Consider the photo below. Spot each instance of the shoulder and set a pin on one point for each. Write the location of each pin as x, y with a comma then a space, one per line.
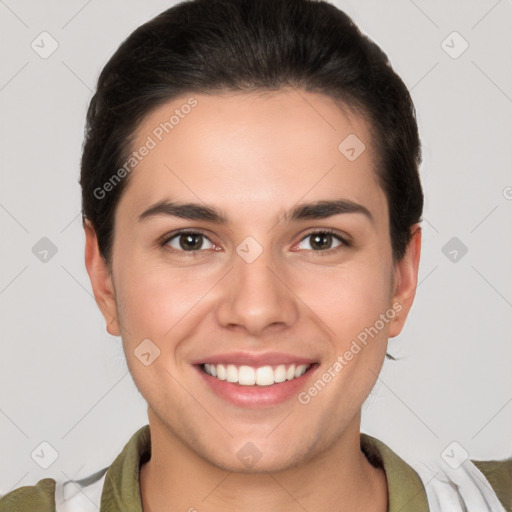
48, 495
499, 475
454, 485
31, 498
84, 494
472, 485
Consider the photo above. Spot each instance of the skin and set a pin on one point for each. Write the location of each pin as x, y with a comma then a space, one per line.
254, 157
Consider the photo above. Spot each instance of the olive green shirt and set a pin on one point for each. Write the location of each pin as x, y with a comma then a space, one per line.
121, 492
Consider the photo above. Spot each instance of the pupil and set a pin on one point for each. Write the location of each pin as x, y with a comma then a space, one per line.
323, 236
190, 241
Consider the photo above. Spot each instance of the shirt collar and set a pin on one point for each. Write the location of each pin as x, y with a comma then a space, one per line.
405, 488
121, 490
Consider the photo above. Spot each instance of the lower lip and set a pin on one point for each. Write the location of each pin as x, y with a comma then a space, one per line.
257, 396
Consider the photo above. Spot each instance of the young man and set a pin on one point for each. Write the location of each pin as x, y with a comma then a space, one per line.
251, 205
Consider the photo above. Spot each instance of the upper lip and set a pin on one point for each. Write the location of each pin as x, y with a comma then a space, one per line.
254, 359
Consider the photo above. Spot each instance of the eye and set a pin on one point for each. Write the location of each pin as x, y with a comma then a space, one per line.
186, 241
193, 242
322, 241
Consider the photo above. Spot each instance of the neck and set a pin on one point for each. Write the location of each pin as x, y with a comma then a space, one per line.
340, 478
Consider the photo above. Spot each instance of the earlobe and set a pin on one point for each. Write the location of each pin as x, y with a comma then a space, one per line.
406, 281
101, 280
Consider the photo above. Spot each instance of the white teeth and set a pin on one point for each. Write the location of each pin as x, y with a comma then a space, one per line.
265, 376
280, 373
249, 376
221, 371
231, 373
300, 370
246, 376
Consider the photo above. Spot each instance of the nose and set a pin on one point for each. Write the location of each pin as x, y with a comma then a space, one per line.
256, 297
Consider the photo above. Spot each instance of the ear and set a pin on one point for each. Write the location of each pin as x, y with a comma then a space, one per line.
101, 280
406, 281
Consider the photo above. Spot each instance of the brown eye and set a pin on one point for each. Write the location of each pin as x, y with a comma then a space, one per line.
322, 241
187, 241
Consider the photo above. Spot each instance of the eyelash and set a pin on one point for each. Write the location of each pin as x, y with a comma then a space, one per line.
163, 244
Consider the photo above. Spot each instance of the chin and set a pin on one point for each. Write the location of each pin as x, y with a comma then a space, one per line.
253, 457
262, 466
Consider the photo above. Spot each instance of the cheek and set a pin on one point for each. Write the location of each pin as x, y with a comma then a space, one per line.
347, 299
156, 303
153, 299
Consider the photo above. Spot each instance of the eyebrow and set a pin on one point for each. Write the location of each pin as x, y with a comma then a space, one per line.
197, 211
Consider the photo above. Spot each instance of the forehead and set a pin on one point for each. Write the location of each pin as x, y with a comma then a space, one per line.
253, 150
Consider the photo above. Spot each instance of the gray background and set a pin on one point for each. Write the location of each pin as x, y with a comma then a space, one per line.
63, 377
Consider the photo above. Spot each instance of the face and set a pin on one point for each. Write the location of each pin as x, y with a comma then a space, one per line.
247, 282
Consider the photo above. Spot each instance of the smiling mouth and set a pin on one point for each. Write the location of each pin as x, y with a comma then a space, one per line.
251, 376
